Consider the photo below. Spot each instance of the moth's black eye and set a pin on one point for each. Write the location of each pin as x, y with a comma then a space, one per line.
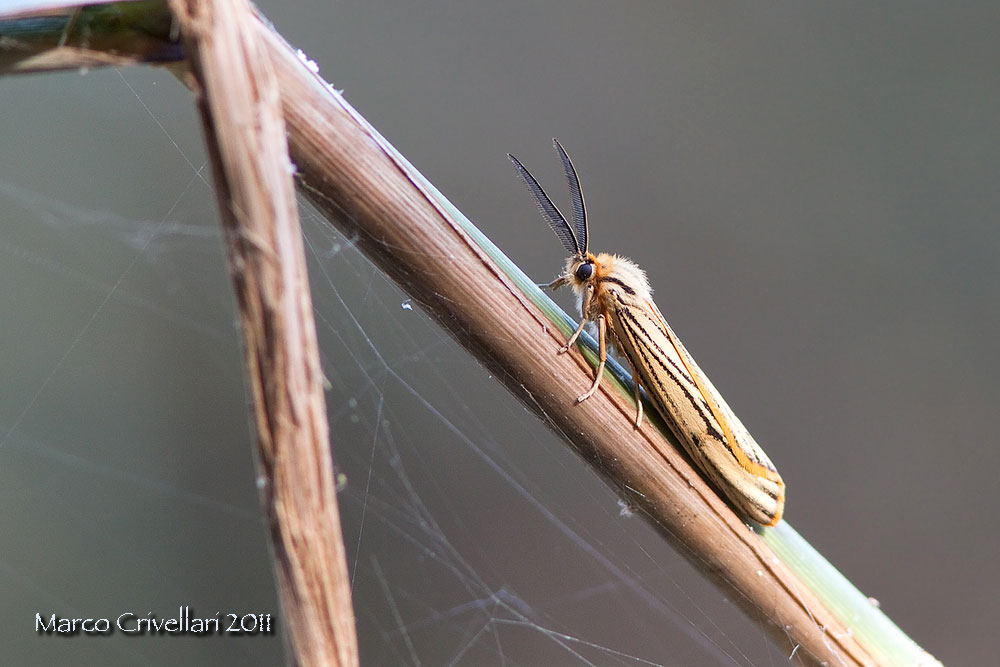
584, 271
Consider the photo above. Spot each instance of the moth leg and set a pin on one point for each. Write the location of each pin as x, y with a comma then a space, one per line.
638, 395
583, 323
557, 283
601, 330
572, 339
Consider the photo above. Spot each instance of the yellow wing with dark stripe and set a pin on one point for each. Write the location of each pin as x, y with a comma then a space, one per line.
712, 434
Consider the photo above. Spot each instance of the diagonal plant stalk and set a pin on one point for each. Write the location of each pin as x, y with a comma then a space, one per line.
407, 228
492, 308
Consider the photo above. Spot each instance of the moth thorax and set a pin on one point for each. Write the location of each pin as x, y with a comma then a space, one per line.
626, 274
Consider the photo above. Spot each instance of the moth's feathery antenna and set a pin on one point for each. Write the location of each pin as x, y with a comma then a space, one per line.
576, 195
549, 210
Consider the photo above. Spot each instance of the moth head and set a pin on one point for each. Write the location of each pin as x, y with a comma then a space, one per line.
580, 271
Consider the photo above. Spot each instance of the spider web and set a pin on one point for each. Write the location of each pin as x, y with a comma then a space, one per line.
474, 536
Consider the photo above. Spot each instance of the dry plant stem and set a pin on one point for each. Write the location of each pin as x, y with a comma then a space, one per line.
349, 170
239, 103
75, 37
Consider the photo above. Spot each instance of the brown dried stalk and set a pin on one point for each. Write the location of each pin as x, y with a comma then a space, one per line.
412, 234
239, 102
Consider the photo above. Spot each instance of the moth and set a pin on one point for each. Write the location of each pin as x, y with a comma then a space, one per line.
614, 294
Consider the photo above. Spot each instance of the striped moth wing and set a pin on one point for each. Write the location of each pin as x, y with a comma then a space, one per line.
713, 436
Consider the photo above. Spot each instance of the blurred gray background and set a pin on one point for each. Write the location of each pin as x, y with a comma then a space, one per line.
812, 191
